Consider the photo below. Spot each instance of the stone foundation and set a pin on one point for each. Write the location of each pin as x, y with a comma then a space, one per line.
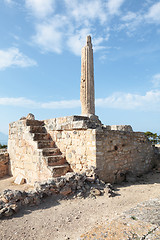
120, 152
75, 140
86, 144
113, 153
25, 157
4, 158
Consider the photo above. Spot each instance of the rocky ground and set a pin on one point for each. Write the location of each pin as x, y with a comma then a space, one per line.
139, 223
59, 217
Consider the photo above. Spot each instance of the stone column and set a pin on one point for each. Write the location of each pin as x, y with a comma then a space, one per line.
87, 80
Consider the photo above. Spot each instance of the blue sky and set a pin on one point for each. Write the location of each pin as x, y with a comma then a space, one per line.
40, 47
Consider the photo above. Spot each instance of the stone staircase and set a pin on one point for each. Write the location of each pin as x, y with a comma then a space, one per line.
54, 159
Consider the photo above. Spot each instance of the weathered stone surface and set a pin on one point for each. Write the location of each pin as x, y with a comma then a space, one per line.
33, 153
36, 149
19, 180
95, 192
126, 128
30, 116
4, 159
87, 79
141, 222
120, 152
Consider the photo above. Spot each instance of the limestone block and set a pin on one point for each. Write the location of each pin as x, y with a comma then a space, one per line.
59, 135
19, 180
30, 116
79, 166
127, 128
79, 125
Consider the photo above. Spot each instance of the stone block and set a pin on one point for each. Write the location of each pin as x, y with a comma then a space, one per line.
19, 180
66, 190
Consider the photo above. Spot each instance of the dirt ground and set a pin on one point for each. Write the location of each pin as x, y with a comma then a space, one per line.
59, 218
8, 183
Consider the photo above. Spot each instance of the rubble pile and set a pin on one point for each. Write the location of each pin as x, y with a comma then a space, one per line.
72, 184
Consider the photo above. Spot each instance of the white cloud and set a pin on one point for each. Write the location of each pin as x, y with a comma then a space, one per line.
153, 14
49, 35
80, 18
114, 6
78, 40
13, 57
129, 16
97, 43
130, 23
70, 29
28, 103
156, 80
18, 102
62, 104
40, 8
128, 101
85, 10
150, 101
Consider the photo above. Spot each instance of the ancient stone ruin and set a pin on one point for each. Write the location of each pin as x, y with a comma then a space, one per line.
42, 150
87, 80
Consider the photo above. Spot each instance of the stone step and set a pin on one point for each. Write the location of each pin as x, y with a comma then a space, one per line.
46, 144
37, 129
42, 136
58, 171
51, 151
56, 160
34, 123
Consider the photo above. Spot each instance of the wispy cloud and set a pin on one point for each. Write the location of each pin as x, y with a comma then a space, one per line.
56, 30
129, 16
49, 35
114, 6
65, 24
70, 27
77, 41
153, 14
130, 23
19, 102
86, 10
28, 103
148, 102
13, 57
40, 8
156, 80
61, 104
128, 101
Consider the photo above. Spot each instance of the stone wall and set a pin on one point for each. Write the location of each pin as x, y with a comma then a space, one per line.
79, 147
25, 157
4, 158
119, 153
114, 153
85, 143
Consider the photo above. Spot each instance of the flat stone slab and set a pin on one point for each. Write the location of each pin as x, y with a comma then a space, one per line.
141, 222
19, 180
